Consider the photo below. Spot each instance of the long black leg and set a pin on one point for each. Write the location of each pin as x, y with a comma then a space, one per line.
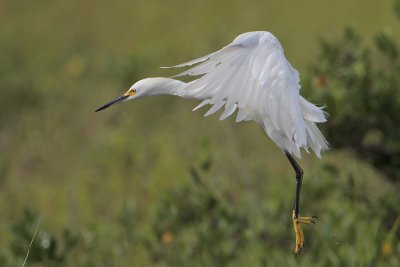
299, 179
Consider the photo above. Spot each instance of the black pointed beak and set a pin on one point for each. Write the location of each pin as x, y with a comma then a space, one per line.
115, 101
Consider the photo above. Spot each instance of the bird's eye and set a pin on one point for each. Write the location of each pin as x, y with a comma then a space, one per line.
133, 91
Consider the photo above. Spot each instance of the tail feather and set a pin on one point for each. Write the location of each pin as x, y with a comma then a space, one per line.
312, 112
312, 115
315, 140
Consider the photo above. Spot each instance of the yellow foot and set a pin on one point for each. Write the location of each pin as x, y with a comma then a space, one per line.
297, 230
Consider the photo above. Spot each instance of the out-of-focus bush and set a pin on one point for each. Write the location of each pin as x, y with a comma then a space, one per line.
361, 87
195, 225
198, 225
39, 246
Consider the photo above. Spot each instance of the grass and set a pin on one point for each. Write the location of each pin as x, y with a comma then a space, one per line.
111, 179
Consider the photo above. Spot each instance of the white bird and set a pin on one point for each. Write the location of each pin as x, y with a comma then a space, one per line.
253, 76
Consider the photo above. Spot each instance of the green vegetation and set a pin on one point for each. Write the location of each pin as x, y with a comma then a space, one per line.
152, 183
362, 90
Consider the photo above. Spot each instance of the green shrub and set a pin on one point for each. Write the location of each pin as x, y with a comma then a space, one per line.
46, 248
361, 88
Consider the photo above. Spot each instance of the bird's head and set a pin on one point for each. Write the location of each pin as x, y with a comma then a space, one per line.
148, 87
139, 89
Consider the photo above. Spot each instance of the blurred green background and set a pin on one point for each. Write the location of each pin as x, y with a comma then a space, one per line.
151, 183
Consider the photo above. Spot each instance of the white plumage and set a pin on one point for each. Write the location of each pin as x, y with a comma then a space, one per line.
253, 75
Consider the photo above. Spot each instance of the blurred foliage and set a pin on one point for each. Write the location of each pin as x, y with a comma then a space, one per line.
198, 225
360, 87
46, 248
113, 188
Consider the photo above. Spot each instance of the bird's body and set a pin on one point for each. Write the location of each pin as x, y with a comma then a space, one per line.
253, 76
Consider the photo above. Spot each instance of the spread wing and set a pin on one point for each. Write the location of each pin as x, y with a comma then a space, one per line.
253, 75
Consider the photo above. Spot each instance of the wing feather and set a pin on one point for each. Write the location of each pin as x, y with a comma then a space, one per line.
253, 75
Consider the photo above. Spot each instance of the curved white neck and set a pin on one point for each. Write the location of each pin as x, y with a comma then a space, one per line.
167, 86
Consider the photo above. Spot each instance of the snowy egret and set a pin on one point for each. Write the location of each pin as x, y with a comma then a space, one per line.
253, 76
